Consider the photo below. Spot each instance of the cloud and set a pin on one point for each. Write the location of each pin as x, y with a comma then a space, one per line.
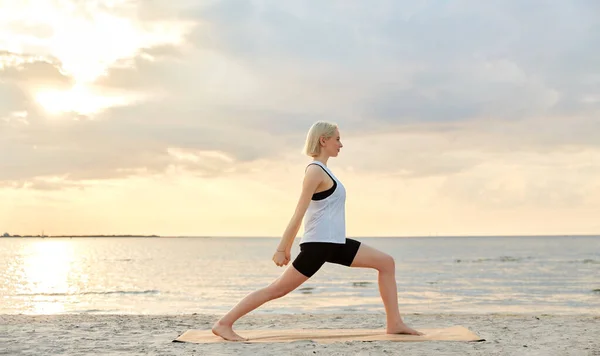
12, 99
22, 74
489, 58
444, 85
29, 71
510, 182
38, 73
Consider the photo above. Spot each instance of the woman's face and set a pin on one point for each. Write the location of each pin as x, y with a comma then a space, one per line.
333, 144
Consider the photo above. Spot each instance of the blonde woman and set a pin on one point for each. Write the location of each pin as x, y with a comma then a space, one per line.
322, 206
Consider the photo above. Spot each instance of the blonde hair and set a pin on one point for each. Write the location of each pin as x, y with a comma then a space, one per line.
319, 129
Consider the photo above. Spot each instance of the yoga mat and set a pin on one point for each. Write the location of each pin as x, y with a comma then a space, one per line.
454, 333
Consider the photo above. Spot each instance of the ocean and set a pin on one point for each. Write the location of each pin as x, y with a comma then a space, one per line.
548, 275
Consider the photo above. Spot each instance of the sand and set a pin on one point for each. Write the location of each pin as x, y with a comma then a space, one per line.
80, 334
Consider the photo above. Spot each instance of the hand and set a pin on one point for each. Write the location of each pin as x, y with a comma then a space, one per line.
282, 258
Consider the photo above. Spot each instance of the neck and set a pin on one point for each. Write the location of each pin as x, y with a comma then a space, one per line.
321, 158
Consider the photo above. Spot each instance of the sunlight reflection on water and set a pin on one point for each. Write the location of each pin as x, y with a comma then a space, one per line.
187, 275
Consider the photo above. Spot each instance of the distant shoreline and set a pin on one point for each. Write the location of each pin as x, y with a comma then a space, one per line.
63, 236
299, 236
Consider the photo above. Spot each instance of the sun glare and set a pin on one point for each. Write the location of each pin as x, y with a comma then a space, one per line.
87, 39
77, 99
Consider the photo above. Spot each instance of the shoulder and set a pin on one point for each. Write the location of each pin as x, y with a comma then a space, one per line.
314, 171
313, 167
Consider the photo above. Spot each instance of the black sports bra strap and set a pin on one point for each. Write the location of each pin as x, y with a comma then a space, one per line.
316, 164
324, 194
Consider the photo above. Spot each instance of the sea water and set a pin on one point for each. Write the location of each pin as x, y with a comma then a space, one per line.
518, 274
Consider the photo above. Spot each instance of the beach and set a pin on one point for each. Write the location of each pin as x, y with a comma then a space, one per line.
87, 296
85, 334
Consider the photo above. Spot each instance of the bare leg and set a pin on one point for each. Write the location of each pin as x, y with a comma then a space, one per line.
372, 258
289, 280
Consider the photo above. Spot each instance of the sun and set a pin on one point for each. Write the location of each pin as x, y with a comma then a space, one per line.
87, 39
80, 99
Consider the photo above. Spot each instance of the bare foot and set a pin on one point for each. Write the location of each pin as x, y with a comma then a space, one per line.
402, 328
226, 332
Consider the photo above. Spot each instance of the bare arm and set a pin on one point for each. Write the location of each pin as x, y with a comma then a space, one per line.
312, 179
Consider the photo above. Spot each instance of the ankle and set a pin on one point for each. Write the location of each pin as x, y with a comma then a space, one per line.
224, 323
394, 322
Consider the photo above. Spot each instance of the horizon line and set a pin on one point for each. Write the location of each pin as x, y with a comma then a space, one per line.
299, 236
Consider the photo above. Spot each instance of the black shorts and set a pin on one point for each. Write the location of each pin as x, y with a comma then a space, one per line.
314, 254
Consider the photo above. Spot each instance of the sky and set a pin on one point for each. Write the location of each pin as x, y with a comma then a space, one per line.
188, 118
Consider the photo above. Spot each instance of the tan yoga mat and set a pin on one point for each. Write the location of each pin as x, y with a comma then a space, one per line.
454, 333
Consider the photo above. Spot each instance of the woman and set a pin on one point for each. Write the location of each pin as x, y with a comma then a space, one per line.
321, 204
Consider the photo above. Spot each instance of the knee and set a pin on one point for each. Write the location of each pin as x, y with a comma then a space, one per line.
274, 291
387, 264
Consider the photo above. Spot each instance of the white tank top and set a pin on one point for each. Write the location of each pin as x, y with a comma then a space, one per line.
325, 219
